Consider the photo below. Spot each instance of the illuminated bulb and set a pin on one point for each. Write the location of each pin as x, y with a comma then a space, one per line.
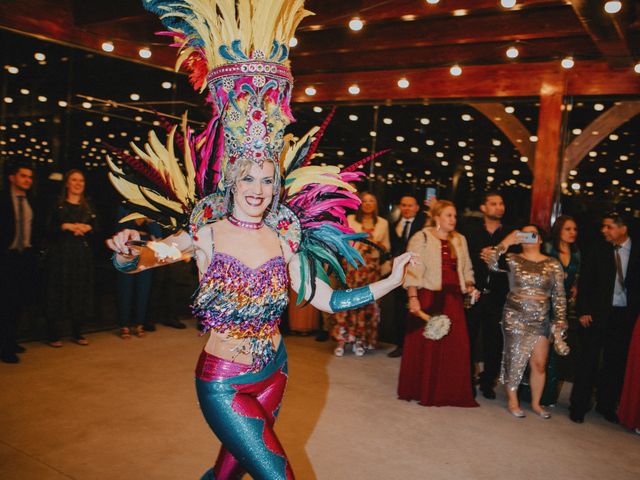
567, 62
425, 121
86, 105
135, 97
615, 182
387, 121
444, 163
593, 154
399, 162
42, 98
403, 83
8, 100
310, 91
293, 42
533, 138
575, 186
496, 142
105, 119
589, 184
62, 103
573, 172
512, 52
353, 117
466, 117
466, 157
629, 171
490, 179
624, 158
414, 150
516, 172
356, 24
340, 153
354, 89
144, 53
576, 131
469, 174
400, 138
602, 170
107, 46
439, 154
524, 159
462, 143
467, 167
430, 142
509, 109
493, 159
167, 85
491, 170
456, 71
636, 68
11, 69
433, 2
613, 137
24, 91
508, 3
613, 6
372, 133
317, 109
39, 56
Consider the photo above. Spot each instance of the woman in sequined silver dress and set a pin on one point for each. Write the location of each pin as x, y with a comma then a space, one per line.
535, 311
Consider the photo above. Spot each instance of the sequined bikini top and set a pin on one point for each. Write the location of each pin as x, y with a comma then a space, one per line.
243, 303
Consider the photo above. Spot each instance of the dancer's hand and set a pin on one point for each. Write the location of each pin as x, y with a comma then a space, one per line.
414, 305
400, 265
118, 243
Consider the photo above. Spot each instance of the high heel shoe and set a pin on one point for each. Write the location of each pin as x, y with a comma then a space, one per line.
543, 413
516, 413
339, 350
358, 349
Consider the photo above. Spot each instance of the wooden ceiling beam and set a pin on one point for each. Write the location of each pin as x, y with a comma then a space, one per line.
557, 22
488, 81
335, 13
608, 31
425, 57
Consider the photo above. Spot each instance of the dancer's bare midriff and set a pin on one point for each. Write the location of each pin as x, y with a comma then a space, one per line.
223, 346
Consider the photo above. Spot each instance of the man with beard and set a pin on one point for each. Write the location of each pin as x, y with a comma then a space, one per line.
482, 234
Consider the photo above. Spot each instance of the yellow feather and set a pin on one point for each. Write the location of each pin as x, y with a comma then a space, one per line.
130, 191
131, 216
176, 206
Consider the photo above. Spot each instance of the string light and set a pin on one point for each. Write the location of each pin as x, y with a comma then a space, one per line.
567, 62
310, 91
293, 42
508, 3
356, 24
512, 52
354, 89
403, 83
41, 57
108, 46
613, 6
456, 71
144, 53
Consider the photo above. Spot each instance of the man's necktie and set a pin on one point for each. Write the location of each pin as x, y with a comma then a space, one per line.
20, 242
619, 272
405, 230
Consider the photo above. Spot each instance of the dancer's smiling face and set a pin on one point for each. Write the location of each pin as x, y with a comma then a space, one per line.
253, 191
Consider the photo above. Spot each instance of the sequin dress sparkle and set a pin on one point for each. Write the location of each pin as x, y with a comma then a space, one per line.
536, 299
244, 303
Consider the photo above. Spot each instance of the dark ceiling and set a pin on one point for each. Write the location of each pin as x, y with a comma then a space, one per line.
437, 141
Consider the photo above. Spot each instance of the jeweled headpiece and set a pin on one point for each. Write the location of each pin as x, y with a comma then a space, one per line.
239, 49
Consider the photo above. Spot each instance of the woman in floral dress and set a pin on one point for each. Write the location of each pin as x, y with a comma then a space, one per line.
360, 326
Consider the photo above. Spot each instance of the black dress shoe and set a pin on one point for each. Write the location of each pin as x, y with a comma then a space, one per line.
322, 336
609, 415
175, 324
18, 349
395, 353
488, 393
9, 358
149, 327
576, 417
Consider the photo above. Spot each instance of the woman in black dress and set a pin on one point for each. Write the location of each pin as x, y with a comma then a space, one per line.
70, 262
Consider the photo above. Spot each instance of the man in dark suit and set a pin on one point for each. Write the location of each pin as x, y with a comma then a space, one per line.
17, 258
484, 317
411, 220
607, 305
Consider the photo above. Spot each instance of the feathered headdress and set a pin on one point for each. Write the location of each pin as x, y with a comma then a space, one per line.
239, 49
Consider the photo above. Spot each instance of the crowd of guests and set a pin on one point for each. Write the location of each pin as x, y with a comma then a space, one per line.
534, 314
57, 243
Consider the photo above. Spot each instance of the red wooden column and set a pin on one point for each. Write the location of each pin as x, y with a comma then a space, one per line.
546, 169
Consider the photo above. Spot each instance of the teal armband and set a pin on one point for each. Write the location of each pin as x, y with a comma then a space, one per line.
342, 300
125, 267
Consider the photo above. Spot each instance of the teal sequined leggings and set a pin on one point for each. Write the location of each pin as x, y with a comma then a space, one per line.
241, 408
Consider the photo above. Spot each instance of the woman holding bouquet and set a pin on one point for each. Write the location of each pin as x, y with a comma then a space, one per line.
436, 372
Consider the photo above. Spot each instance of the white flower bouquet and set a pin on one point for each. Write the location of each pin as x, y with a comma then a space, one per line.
437, 326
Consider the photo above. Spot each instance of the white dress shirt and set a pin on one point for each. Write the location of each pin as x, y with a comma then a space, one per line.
619, 293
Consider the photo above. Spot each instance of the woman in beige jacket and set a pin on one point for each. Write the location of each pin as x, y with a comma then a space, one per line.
436, 372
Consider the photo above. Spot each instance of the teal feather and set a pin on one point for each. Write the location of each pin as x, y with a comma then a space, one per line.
224, 52
275, 48
236, 46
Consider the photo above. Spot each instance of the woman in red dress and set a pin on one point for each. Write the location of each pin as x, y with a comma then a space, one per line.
436, 372
629, 410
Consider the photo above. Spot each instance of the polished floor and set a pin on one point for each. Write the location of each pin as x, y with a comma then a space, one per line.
123, 410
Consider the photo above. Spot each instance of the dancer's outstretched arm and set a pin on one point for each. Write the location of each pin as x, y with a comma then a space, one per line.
329, 300
129, 259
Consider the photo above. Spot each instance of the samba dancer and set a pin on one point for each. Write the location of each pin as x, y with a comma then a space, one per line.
248, 238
